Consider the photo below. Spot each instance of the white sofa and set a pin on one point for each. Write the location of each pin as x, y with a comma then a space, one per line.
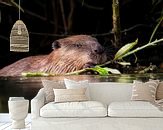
121, 112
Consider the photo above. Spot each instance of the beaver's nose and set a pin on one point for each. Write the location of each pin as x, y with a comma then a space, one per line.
99, 50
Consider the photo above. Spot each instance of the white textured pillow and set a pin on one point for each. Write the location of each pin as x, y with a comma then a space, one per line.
49, 85
144, 91
70, 95
71, 84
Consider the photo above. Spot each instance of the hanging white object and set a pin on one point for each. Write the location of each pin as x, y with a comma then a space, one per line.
19, 36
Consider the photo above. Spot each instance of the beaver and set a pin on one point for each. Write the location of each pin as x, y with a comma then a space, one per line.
69, 54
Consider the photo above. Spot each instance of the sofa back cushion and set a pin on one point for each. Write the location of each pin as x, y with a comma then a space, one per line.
72, 84
49, 85
159, 92
107, 92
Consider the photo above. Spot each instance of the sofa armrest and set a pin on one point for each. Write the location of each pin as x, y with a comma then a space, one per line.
36, 103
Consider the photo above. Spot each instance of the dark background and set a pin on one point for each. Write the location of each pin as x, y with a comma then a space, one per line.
44, 21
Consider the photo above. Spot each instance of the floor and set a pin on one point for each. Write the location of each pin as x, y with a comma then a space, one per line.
7, 126
5, 122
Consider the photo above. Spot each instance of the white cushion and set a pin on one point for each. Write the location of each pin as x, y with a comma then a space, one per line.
70, 95
71, 84
144, 91
49, 85
133, 109
74, 109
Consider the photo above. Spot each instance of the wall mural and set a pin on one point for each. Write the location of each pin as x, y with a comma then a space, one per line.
104, 41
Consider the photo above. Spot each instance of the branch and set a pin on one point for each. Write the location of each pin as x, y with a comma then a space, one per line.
94, 35
142, 47
38, 74
49, 34
155, 29
77, 72
151, 67
70, 15
83, 3
38, 16
116, 23
132, 52
5, 38
63, 16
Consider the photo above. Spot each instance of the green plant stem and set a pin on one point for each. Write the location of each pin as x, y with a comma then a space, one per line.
154, 31
77, 72
132, 52
142, 47
106, 63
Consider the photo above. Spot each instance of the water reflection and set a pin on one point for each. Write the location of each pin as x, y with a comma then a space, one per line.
29, 86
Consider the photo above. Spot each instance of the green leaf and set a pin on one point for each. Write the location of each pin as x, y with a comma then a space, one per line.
125, 49
104, 71
100, 70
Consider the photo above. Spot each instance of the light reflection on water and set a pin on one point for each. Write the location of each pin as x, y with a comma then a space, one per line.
29, 86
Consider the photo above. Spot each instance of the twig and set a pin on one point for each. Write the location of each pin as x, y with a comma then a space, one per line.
77, 72
133, 27
38, 16
5, 38
13, 3
83, 3
151, 67
55, 15
106, 63
94, 35
123, 31
49, 34
142, 47
154, 31
132, 52
32, 74
70, 15
63, 16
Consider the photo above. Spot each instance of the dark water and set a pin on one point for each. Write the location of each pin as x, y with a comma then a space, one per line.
29, 86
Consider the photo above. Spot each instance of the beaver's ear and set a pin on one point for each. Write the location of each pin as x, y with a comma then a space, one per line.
56, 45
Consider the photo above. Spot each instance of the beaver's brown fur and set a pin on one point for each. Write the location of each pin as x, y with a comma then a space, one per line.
69, 54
